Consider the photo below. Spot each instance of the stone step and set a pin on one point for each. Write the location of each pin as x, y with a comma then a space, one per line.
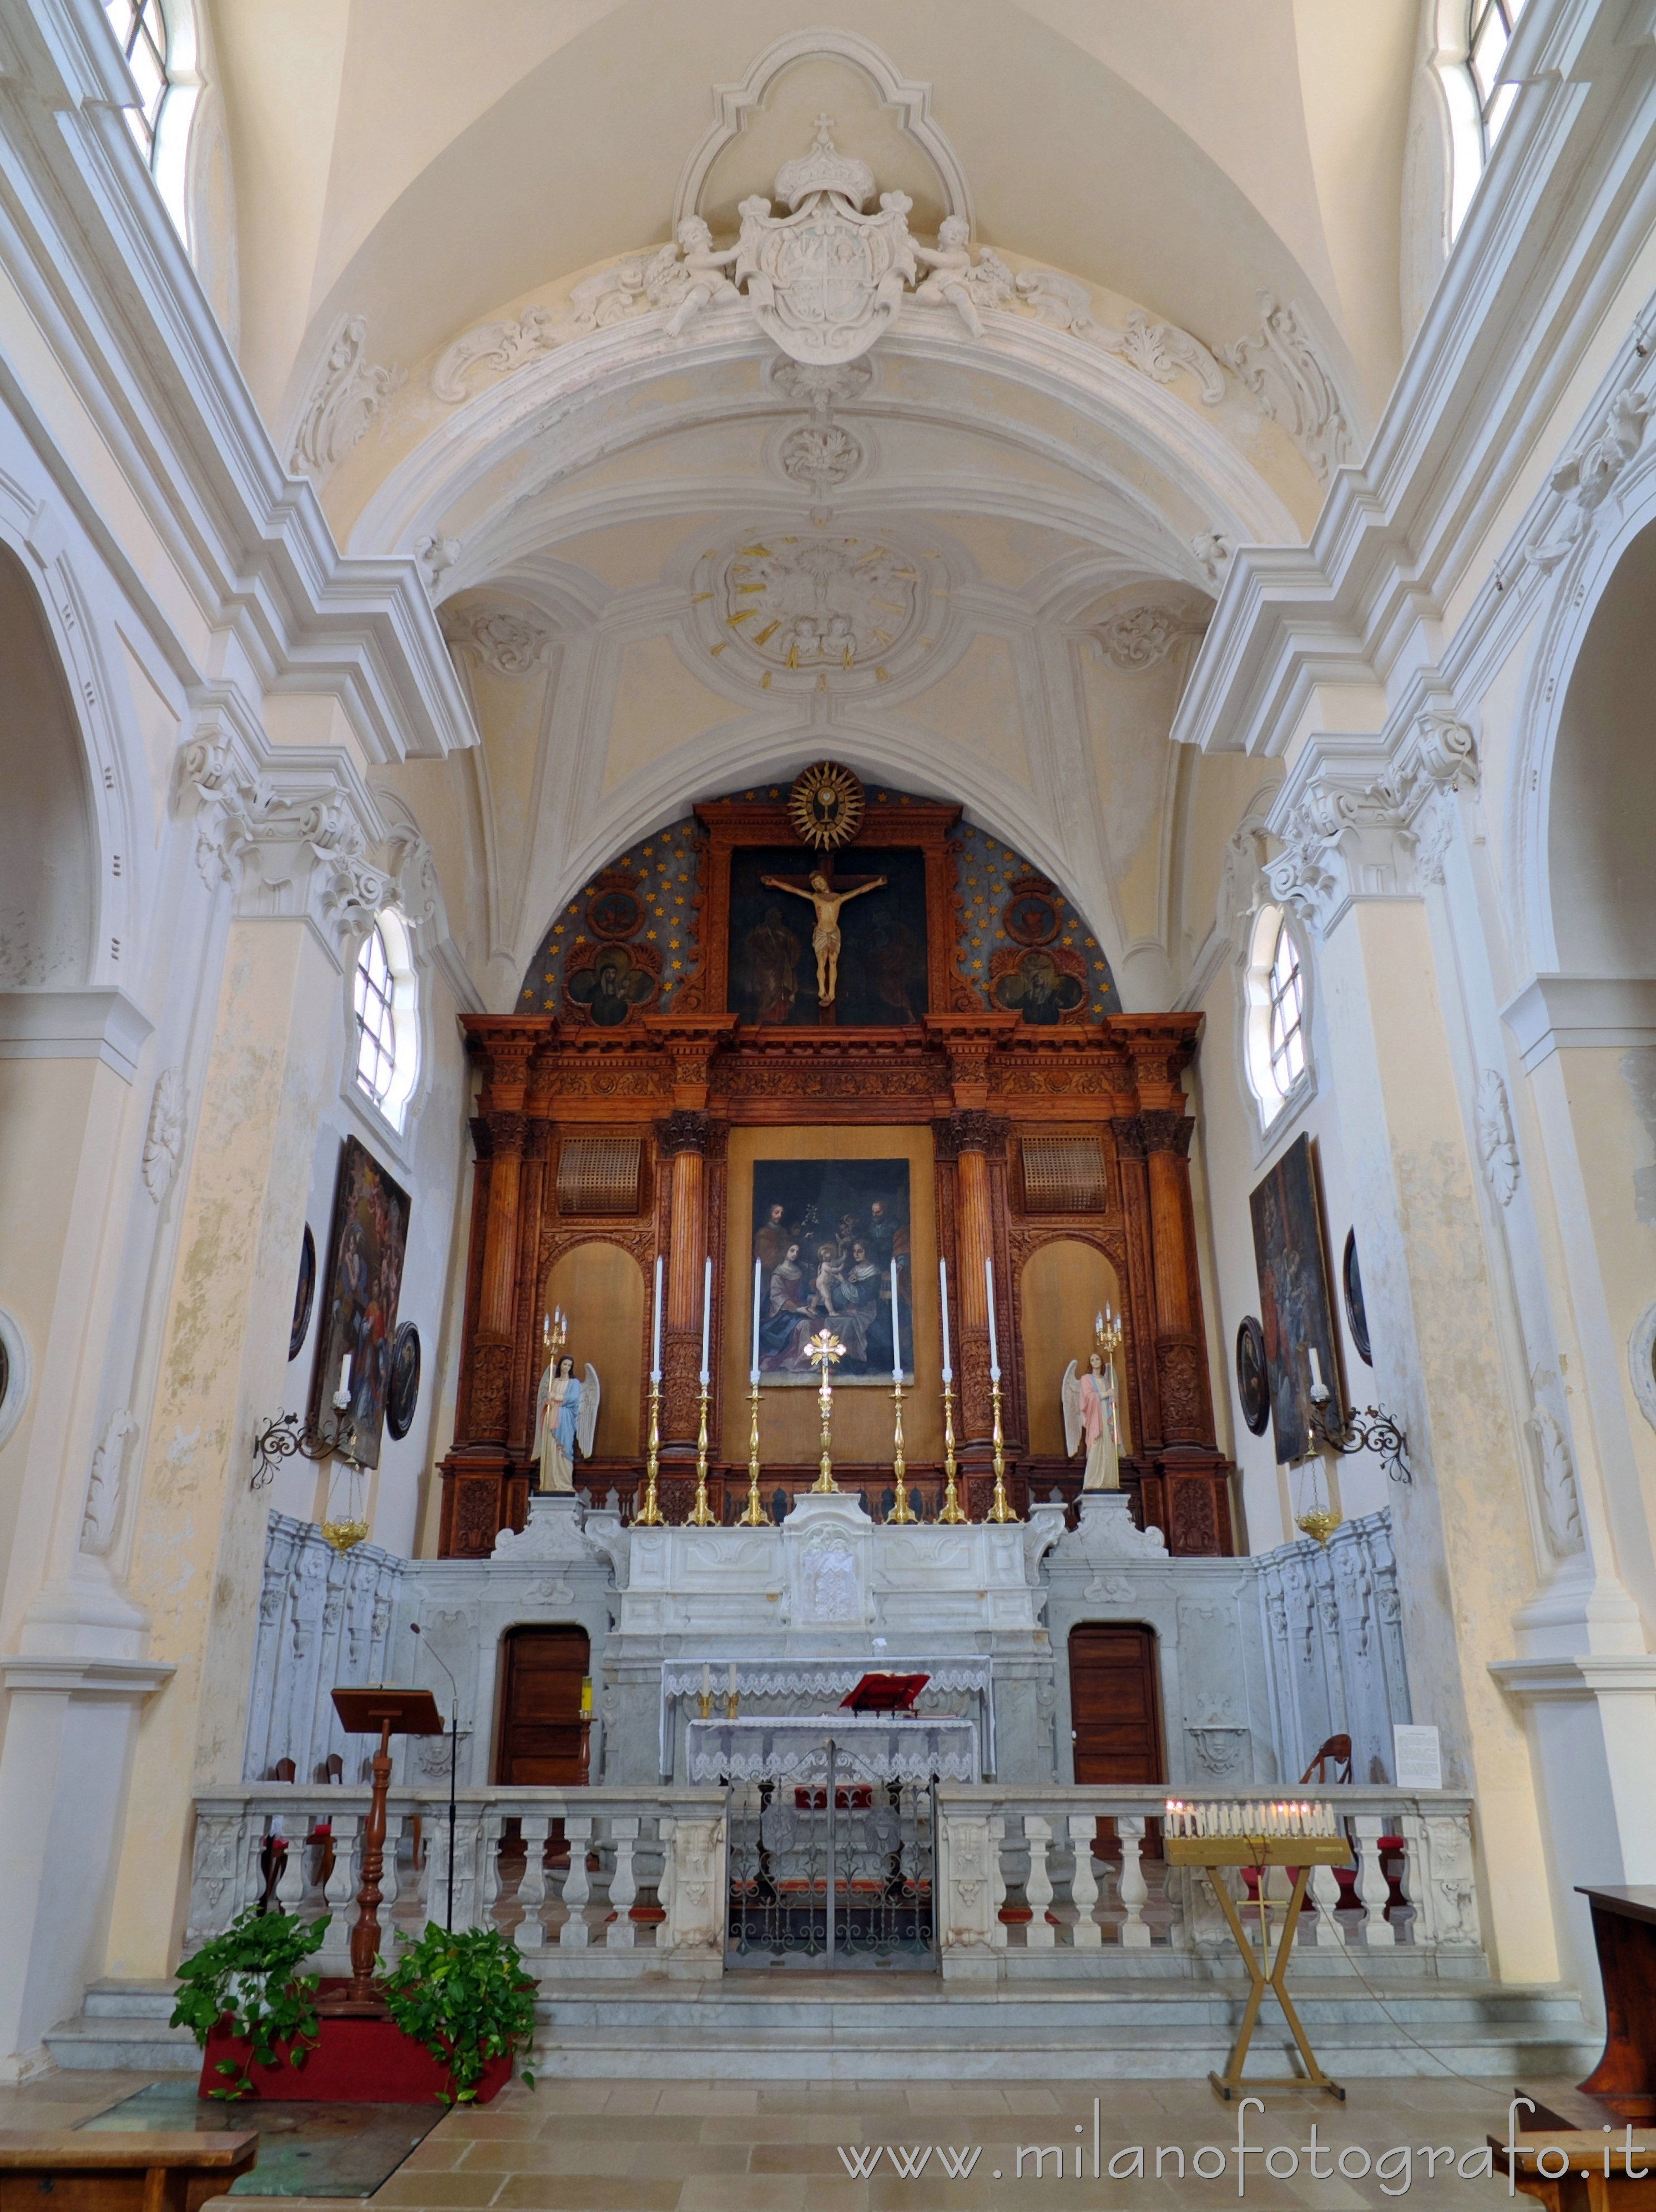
854, 2027
121, 2000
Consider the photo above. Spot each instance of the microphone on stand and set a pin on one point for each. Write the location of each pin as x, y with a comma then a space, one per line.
414, 1629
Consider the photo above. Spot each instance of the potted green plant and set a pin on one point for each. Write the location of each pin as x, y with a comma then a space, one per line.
245, 1999
465, 1998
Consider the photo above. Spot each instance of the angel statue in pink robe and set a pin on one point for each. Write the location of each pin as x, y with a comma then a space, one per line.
1089, 1416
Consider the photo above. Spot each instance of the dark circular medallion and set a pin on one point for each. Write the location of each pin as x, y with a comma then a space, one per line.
304, 1296
403, 1391
1252, 1385
1031, 919
1351, 1277
615, 913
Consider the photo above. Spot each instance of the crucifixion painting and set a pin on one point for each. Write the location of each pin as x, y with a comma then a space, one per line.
825, 937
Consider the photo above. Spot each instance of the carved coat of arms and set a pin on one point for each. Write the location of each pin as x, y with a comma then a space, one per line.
825, 280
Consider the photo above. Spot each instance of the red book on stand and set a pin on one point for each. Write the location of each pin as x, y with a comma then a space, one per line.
884, 1694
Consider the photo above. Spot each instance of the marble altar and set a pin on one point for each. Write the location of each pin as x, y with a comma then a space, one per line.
1259, 1657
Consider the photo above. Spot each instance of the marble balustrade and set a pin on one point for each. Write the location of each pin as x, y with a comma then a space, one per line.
1062, 1883
1032, 1885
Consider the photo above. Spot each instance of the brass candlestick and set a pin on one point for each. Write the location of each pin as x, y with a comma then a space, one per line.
999, 1510
754, 1516
701, 1513
824, 1349
952, 1510
899, 1511
652, 1516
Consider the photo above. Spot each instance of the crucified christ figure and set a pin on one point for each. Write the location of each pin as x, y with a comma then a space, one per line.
824, 938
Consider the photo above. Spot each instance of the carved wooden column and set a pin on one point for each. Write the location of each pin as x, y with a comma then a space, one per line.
1181, 1364
480, 1478
690, 1143
682, 1143
980, 1145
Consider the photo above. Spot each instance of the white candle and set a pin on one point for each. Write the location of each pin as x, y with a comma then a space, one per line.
897, 1335
1316, 1368
707, 1680
732, 1679
1098, 1323
344, 1376
655, 1338
943, 1303
758, 1277
994, 1347
706, 1317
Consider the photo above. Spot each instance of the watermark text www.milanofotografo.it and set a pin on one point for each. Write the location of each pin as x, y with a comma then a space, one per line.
1398, 2169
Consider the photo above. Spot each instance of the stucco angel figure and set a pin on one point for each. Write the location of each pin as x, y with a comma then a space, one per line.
1089, 1415
955, 282
703, 270
566, 1415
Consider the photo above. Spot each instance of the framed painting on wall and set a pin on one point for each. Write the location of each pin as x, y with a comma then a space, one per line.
1296, 1312
825, 1233
362, 1286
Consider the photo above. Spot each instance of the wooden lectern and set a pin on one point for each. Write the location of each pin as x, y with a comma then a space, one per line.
389, 1709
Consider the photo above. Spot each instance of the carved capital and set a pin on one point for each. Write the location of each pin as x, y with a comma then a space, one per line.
687, 1132
974, 1131
1163, 1130
508, 1133
1129, 1133
945, 1148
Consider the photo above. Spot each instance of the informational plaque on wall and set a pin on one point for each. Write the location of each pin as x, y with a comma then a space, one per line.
1419, 1757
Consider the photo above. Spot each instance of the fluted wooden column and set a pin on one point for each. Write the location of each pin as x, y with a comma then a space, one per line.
682, 1141
977, 1138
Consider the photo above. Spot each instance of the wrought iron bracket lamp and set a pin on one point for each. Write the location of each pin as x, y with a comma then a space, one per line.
283, 1437
1373, 1429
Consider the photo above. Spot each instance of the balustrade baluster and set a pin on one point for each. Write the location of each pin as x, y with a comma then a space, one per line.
391, 1881
575, 1935
997, 1836
339, 1894
1134, 1889
1325, 1891
1039, 1934
1378, 1931
493, 1827
621, 1934
532, 1888
1087, 1935
290, 1880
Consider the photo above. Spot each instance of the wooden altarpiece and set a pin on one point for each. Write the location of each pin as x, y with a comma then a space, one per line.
983, 1081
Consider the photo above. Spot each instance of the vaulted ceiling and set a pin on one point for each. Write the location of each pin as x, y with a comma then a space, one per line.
1043, 504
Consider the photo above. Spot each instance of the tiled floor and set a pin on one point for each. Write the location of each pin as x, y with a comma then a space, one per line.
689, 2147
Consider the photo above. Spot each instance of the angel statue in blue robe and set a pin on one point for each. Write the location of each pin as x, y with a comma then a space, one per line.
566, 1415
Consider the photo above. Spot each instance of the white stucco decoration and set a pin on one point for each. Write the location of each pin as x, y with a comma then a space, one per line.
1288, 376
106, 1485
347, 393
20, 1373
1497, 1144
1137, 639
1158, 350
1641, 1365
164, 1139
507, 642
1561, 1502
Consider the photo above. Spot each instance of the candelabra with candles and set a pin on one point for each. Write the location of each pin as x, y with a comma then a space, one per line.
899, 1512
650, 1515
824, 1349
1106, 1333
754, 1514
952, 1510
701, 1516
1000, 1504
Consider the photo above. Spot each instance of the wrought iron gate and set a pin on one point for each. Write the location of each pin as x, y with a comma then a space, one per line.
832, 1873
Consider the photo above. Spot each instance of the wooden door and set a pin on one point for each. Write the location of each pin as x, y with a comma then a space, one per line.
540, 1706
1114, 1703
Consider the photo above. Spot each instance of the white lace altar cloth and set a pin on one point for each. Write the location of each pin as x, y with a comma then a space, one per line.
827, 1680
866, 1747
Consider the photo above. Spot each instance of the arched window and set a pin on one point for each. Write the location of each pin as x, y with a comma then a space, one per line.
387, 1029
140, 26
1489, 31
1274, 1049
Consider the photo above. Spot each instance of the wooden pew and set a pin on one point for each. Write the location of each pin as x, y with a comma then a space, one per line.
82, 2171
1571, 2178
